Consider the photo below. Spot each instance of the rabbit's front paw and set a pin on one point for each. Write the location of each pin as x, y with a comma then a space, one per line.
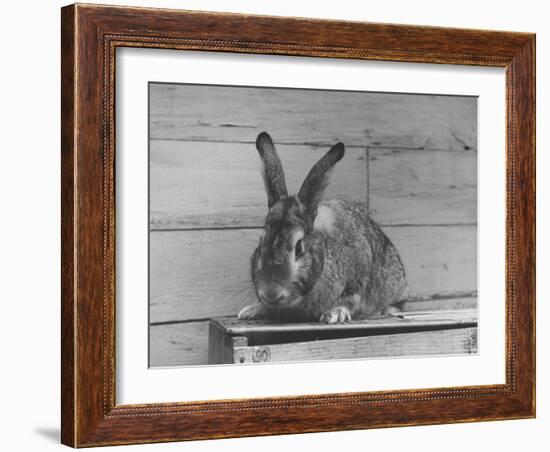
339, 314
251, 312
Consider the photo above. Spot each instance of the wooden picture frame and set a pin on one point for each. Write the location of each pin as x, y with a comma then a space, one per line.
90, 37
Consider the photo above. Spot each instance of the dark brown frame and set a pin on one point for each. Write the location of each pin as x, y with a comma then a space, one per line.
90, 35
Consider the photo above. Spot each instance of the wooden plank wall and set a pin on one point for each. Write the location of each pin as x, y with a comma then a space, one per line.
410, 158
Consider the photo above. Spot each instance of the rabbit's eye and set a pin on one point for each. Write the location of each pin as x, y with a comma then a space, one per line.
299, 249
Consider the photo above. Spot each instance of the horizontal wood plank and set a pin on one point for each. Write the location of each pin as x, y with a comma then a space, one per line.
440, 303
230, 114
181, 344
423, 187
201, 274
447, 342
437, 260
406, 320
202, 185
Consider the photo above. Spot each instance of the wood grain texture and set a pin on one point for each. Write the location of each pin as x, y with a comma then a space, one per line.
221, 345
460, 302
409, 321
198, 274
187, 343
189, 186
323, 117
205, 185
521, 222
178, 344
94, 418
448, 342
423, 187
68, 316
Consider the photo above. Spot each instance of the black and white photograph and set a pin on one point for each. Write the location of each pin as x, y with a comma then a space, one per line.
294, 224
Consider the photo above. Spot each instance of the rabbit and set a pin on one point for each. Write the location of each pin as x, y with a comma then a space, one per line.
320, 261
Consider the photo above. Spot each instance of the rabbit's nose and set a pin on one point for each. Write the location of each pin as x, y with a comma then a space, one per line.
272, 296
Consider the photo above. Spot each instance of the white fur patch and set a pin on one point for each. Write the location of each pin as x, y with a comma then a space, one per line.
297, 235
324, 219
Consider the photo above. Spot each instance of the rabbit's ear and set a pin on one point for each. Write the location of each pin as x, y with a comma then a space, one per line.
272, 171
316, 182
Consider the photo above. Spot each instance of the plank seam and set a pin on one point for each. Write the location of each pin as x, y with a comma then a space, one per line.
261, 228
376, 147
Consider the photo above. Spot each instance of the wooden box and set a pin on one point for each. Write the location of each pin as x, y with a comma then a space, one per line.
419, 333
